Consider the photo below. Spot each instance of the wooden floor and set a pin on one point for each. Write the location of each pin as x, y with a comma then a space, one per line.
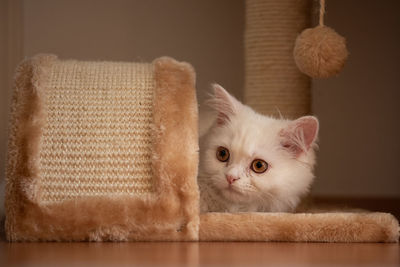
199, 254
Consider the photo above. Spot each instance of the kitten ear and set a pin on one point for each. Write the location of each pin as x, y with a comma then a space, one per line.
225, 104
300, 135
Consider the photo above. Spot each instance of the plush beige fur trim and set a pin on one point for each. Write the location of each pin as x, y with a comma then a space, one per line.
300, 227
176, 150
171, 213
27, 118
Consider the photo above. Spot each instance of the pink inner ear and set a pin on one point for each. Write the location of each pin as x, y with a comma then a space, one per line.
225, 104
300, 135
309, 125
222, 118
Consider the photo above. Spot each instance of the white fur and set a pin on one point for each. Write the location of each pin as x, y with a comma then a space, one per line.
248, 136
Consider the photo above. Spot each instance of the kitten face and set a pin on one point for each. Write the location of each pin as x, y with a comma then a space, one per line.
251, 139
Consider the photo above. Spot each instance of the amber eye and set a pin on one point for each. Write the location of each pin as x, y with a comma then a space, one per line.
222, 154
259, 166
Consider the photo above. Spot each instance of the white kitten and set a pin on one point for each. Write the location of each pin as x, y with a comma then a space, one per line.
251, 162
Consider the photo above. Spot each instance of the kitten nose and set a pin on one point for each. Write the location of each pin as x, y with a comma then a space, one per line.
231, 179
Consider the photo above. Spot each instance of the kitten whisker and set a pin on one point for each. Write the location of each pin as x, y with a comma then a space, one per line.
280, 114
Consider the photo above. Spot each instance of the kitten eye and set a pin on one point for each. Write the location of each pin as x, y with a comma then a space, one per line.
259, 166
222, 154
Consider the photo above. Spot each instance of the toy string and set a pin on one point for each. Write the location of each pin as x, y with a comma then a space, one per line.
321, 12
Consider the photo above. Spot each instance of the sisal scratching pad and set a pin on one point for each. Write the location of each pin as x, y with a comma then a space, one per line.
93, 144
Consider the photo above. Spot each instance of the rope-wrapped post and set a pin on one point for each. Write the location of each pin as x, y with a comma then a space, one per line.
273, 83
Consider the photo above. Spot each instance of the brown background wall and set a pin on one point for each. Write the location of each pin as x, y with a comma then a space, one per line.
360, 109
359, 140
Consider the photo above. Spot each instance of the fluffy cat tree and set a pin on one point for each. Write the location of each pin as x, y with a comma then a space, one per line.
108, 151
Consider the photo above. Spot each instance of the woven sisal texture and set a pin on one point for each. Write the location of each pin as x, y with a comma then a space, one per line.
272, 80
97, 136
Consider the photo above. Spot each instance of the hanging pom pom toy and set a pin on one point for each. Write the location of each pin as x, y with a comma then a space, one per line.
320, 52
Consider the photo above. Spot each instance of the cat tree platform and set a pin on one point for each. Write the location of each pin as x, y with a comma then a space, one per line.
108, 151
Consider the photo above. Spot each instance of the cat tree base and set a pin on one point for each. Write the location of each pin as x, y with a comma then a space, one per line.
299, 227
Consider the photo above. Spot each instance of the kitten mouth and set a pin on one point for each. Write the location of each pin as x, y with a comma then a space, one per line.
232, 189
233, 194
